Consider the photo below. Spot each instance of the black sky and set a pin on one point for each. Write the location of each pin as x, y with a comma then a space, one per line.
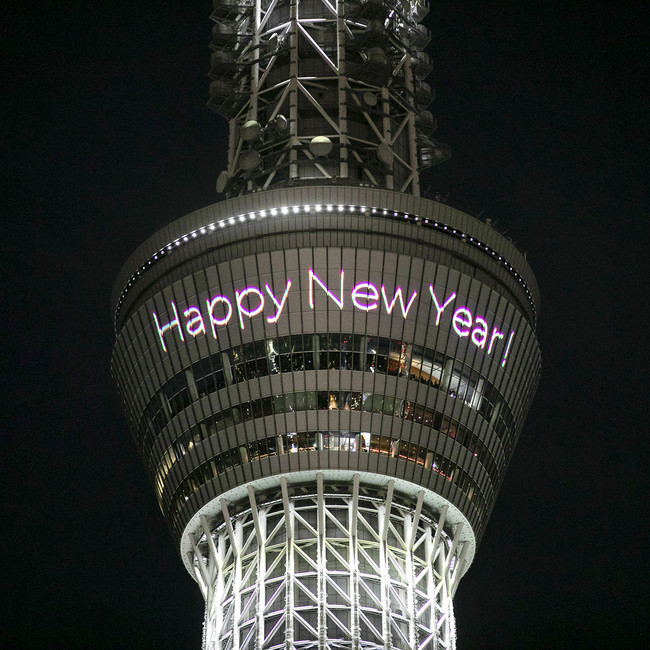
107, 138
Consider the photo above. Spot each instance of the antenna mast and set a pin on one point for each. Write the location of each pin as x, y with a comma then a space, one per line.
321, 92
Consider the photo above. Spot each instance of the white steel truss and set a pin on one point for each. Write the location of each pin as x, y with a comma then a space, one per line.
350, 71
330, 568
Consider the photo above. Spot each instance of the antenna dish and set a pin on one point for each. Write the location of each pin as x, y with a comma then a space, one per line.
281, 123
222, 181
320, 146
250, 130
249, 159
385, 154
370, 98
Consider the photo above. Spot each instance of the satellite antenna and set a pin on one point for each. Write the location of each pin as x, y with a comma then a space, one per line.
250, 130
249, 159
222, 181
320, 146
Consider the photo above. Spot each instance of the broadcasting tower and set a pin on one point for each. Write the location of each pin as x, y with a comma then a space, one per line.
326, 374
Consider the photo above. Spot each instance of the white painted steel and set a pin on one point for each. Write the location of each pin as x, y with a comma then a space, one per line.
323, 568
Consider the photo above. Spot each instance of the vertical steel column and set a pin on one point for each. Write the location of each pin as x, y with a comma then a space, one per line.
387, 133
290, 560
259, 522
293, 91
322, 565
353, 559
342, 86
412, 132
384, 567
410, 536
255, 67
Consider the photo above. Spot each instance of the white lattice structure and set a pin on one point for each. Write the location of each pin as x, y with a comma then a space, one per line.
348, 73
330, 568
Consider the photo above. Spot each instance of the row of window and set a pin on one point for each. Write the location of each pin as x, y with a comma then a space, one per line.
327, 440
323, 351
312, 400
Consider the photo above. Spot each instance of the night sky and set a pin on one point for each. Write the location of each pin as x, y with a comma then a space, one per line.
106, 138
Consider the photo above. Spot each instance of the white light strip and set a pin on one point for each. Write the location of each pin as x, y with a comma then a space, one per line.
307, 211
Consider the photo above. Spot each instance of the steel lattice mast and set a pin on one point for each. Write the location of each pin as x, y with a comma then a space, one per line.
320, 91
325, 374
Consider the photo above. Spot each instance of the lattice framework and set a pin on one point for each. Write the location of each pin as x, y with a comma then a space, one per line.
349, 71
330, 569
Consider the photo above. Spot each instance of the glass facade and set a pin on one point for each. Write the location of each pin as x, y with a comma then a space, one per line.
338, 441
289, 354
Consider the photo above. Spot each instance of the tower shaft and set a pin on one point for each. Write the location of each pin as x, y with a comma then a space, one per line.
343, 567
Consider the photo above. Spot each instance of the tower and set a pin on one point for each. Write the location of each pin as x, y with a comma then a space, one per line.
325, 374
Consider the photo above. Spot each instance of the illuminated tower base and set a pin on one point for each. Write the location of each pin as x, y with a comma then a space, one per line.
330, 563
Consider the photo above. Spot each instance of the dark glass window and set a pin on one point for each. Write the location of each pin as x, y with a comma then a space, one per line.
336, 351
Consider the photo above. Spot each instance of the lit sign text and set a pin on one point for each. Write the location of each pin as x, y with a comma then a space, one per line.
247, 303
